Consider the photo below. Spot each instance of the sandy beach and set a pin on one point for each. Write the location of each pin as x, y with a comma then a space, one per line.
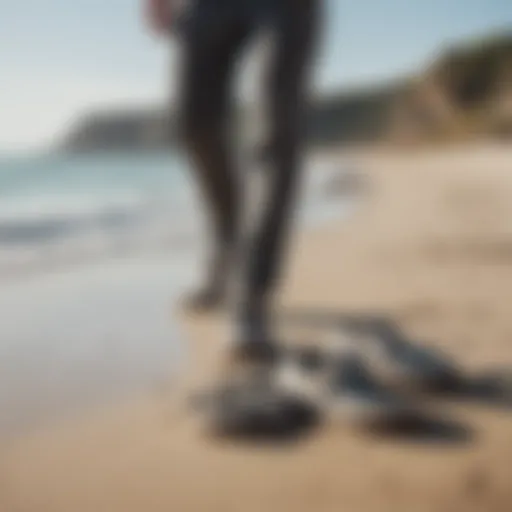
431, 248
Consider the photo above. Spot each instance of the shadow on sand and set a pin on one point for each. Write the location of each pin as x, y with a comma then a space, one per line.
490, 388
252, 412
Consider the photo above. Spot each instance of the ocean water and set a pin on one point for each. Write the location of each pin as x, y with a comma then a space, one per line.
62, 210
95, 252
59, 210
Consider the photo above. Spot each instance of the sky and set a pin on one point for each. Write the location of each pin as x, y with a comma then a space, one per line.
60, 59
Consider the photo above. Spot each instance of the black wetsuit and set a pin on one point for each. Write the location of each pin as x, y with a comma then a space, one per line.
215, 33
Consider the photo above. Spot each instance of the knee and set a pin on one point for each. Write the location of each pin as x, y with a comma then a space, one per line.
197, 128
286, 128
284, 139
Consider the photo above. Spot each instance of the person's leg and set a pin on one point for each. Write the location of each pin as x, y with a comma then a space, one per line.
295, 27
212, 38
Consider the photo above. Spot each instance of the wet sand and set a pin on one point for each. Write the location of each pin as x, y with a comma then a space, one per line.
429, 249
76, 339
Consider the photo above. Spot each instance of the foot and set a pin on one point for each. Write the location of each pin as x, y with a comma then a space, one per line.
262, 354
253, 345
205, 300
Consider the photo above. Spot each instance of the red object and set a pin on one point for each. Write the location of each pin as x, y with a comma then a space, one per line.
159, 14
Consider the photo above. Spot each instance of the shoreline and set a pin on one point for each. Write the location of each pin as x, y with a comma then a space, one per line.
72, 354
429, 248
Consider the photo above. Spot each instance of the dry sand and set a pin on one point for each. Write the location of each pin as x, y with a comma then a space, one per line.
431, 248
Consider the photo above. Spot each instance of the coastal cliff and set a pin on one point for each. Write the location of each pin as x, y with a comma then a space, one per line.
466, 91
